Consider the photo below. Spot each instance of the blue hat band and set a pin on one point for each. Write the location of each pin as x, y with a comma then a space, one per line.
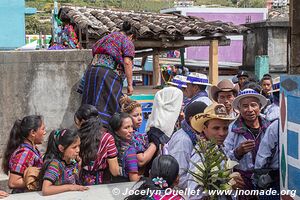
178, 82
181, 85
195, 79
248, 92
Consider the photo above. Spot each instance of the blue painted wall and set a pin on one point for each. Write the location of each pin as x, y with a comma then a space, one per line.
12, 23
290, 134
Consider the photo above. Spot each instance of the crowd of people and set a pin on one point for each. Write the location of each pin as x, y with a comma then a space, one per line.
241, 116
241, 119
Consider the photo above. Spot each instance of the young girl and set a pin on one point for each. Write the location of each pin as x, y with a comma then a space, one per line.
122, 127
21, 151
98, 149
145, 151
60, 172
163, 177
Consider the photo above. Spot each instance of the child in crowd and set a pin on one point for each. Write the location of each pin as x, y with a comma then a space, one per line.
60, 172
145, 151
21, 151
122, 127
98, 149
266, 84
163, 176
84, 113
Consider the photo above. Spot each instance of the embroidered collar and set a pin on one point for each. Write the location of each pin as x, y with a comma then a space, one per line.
189, 131
240, 127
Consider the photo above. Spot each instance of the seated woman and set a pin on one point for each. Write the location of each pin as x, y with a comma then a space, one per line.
21, 151
122, 128
145, 151
163, 177
97, 149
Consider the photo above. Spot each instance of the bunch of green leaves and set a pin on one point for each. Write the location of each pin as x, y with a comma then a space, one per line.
214, 169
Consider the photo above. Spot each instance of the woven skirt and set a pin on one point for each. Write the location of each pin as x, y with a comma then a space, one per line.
103, 89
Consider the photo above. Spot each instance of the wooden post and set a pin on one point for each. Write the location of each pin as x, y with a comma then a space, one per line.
294, 67
143, 62
182, 62
87, 37
213, 62
80, 38
156, 70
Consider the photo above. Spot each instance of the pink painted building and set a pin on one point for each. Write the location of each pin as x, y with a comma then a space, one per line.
234, 52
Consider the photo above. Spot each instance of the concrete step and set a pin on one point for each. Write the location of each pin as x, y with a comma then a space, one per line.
3, 182
105, 191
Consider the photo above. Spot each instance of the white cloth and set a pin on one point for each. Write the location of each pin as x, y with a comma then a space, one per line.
165, 111
205, 100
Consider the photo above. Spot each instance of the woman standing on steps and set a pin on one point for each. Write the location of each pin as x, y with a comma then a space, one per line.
112, 62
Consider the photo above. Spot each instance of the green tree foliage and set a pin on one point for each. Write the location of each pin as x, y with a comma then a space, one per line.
146, 5
34, 26
214, 2
251, 3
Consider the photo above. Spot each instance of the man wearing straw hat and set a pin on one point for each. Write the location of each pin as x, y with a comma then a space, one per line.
196, 85
213, 124
224, 93
245, 133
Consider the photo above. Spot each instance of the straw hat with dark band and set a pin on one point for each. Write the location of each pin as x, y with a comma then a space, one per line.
214, 111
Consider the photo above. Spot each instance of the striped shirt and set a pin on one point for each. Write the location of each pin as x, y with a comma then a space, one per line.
127, 156
93, 174
23, 157
60, 173
131, 162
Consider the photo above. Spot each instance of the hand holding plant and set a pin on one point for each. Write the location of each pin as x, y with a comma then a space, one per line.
214, 171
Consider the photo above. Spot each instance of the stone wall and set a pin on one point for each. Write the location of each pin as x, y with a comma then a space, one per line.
267, 38
40, 82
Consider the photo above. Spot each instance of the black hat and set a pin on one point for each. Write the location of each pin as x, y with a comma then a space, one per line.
194, 108
242, 73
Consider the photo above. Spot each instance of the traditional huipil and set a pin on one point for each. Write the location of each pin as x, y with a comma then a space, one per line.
23, 157
103, 80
